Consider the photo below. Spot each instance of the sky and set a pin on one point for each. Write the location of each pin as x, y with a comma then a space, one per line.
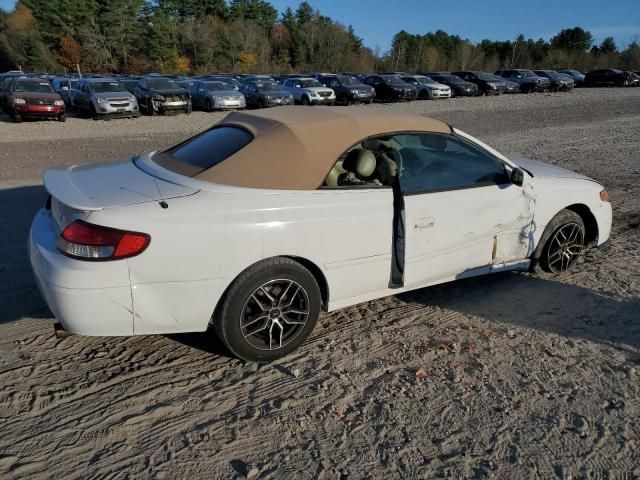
376, 21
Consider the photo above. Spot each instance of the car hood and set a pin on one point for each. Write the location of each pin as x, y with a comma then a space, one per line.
276, 93
436, 85
318, 89
36, 96
108, 185
545, 170
169, 91
225, 93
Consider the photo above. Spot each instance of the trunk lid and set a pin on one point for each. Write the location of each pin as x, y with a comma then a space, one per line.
109, 185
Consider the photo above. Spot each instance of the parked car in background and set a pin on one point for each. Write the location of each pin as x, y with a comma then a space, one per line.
225, 79
32, 98
163, 95
606, 77
634, 79
309, 91
130, 83
427, 88
104, 98
185, 82
210, 95
528, 81
459, 87
348, 89
578, 77
235, 228
510, 87
557, 81
65, 87
263, 94
391, 88
487, 83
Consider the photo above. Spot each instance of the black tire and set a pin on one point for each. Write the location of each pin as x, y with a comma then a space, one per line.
261, 103
305, 100
62, 118
423, 95
241, 296
540, 260
346, 100
208, 107
16, 118
93, 114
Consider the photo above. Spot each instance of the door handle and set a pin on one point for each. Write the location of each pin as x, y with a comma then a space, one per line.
424, 223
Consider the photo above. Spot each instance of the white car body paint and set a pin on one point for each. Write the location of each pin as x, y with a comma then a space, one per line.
210, 233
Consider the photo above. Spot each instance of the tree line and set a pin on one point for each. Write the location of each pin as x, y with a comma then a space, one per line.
245, 36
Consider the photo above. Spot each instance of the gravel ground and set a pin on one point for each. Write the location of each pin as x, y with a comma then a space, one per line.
509, 376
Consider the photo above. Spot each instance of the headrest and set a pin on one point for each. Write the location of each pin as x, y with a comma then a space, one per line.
366, 164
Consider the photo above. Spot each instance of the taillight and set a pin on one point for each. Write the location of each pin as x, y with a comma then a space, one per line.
86, 241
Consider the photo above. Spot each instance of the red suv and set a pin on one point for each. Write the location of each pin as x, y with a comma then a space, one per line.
32, 98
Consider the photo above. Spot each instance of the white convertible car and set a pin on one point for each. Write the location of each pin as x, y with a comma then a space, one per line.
257, 224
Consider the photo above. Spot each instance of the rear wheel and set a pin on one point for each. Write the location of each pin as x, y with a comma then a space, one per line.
269, 310
562, 243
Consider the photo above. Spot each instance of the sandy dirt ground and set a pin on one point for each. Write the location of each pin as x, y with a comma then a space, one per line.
512, 376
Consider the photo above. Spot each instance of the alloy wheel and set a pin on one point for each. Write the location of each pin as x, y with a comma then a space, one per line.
274, 314
565, 247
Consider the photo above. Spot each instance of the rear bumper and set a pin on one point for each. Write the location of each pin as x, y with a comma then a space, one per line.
87, 298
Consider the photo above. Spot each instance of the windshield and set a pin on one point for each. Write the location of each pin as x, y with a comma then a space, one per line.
488, 77
425, 80
267, 87
34, 86
309, 82
216, 86
392, 79
162, 84
450, 78
526, 73
104, 87
348, 80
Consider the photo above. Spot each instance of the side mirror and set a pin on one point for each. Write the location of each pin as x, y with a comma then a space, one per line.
517, 177
201, 89
65, 88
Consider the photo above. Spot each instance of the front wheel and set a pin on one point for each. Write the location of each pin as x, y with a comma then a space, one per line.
562, 243
269, 310
305, 101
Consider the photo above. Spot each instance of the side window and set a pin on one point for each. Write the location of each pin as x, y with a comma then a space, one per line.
335, 83
435, 162
369, 164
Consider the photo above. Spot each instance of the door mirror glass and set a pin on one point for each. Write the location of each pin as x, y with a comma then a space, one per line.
517, 177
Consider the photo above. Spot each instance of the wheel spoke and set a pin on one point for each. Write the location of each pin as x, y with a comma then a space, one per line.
284, 294
293, 297
255, 320
297, 312
267, 294
260, 304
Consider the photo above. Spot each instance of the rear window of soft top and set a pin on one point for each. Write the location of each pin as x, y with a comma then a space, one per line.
204, 151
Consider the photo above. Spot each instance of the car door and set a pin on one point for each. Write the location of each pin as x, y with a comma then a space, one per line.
81, 97
461, 213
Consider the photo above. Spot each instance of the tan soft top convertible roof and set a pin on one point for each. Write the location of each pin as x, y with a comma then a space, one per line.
296, 147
